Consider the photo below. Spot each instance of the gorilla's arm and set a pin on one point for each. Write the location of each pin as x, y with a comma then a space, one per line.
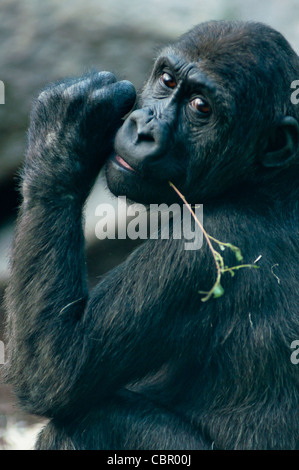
68, 349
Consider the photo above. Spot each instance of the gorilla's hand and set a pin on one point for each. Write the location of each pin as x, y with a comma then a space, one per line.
73, 124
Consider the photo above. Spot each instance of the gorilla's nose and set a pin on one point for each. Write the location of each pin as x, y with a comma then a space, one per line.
146, 125
143, 136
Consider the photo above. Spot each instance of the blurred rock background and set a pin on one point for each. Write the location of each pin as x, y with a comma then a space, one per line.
45, 41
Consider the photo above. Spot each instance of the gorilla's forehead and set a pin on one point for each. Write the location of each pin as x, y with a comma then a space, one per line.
231, 63
236, 45
177, 54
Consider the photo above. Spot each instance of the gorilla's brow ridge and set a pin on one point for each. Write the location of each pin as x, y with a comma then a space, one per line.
187, 71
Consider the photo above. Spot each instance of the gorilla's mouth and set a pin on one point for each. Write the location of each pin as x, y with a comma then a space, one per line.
124, 180
120, 161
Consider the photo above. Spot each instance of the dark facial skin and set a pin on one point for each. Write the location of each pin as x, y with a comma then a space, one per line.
152, 141
174, 109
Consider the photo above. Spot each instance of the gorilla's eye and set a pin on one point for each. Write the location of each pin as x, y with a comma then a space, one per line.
201, 105
168, 80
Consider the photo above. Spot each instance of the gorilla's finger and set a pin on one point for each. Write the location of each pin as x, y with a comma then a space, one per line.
84, 85
118, 98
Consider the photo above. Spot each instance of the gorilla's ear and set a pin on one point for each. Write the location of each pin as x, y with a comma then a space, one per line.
283, 144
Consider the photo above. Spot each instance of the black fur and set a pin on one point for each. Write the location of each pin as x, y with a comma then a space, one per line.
141, 362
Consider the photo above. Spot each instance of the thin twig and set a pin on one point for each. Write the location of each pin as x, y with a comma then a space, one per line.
217, 290
203, 231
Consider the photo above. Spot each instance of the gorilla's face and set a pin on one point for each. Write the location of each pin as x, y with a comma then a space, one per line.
150, 149
202, 123
160, 141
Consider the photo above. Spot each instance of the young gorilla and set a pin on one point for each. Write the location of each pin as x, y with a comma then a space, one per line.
141, 362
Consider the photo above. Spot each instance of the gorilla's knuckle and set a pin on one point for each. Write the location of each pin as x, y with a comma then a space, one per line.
126, 87
47, 102
106, 77
73, 95
45, 96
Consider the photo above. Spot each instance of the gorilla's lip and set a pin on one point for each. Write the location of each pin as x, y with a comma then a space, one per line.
123, 163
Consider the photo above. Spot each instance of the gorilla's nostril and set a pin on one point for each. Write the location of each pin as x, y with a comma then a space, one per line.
145, 133
145, 137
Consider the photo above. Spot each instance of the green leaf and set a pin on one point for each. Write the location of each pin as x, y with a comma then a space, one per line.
238, 256
236, 251
218, 291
